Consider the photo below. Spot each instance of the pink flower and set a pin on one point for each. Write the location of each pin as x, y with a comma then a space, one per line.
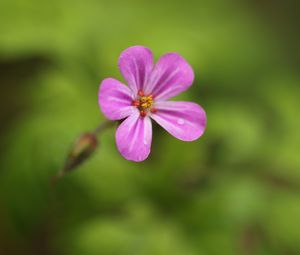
146, 97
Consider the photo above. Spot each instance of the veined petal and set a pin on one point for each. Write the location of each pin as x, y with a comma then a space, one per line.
115, 99
136, 64
171, 75
134, 137
184, 120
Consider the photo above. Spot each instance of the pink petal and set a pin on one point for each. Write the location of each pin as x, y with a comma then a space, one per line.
134, 137
136, 64
171, 76
115, 99
184, 120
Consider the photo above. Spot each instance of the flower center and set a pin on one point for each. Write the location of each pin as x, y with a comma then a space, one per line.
144, 103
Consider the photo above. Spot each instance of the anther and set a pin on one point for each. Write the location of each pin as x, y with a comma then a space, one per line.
143, 113
136, 103
153, 110
141, 93
143, 99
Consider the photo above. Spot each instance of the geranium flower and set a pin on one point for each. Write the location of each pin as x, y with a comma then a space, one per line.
146, 97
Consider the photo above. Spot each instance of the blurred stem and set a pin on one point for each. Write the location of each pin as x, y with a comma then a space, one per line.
104, 125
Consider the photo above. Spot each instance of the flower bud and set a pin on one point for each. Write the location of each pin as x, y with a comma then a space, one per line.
83, 147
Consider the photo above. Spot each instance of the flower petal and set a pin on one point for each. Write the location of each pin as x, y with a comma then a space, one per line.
136, 64
115, 99
172, 75
134, 137
184, 120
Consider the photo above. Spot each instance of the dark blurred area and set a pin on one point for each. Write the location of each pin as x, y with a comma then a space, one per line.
234, 191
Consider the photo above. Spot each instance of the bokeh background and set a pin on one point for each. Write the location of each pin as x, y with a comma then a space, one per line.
234, 191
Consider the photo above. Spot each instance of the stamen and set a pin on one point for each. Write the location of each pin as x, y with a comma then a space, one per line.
136, 103
141, 93
143, 103
143, 113
153, 110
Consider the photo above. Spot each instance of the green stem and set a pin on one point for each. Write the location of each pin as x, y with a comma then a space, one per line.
103, 126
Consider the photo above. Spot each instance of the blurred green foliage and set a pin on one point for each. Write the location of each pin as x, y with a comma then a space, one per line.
234, 191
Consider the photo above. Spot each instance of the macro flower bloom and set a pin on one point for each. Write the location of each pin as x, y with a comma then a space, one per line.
150, 86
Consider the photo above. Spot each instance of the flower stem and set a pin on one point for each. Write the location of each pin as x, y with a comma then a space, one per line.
104, 125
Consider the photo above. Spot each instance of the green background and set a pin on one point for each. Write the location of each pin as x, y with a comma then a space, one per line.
236, 190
